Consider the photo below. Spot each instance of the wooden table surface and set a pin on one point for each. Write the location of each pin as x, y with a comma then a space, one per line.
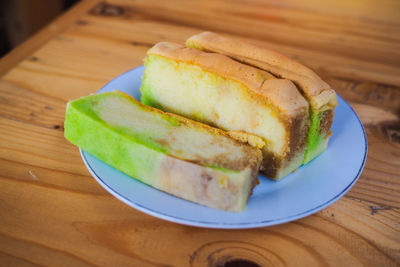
53, 213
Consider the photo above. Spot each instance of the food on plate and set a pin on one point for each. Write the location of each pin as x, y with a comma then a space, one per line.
219, 91
171, 153
320, 96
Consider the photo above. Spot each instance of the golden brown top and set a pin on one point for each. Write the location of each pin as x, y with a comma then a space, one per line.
318, 92
280, 93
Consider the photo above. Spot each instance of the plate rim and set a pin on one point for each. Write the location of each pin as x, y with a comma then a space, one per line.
224, 225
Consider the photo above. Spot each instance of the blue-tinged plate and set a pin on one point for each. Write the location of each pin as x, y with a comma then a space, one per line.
312, 188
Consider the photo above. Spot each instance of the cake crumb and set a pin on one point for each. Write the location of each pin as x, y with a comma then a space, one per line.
33, 175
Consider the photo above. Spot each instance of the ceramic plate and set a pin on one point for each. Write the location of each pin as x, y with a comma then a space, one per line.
312, 188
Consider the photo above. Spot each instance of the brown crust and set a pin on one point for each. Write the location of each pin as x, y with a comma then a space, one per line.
271, 164
318, 92
261, 83
300, 127
254, 176
326, 122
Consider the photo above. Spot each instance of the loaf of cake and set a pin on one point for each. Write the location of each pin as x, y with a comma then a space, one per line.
171, 153
320, 96
219, 91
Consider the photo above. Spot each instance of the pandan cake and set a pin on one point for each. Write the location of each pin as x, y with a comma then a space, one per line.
216, 90
320, 96
171, 153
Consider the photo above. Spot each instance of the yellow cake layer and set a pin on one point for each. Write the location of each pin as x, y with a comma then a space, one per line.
218, 91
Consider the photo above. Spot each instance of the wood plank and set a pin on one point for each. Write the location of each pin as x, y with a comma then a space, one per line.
22, 104
384, 11
344, 233
299, 28
9, 260
41, 147
21, 252
130, 26
37, 40
326, 63
57, 237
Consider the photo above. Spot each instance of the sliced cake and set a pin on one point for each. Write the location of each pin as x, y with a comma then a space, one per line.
171, 153
221, 92
321, 97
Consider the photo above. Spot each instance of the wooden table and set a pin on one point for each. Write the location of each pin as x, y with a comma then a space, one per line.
52, 212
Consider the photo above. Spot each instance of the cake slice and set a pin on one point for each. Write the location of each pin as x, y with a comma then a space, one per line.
321, 97
221, 92
171, 153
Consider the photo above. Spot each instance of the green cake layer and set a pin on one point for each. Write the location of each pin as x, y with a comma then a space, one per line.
317, 141
171, 153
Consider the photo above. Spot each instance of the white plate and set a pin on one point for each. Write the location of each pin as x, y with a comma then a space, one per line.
312, 188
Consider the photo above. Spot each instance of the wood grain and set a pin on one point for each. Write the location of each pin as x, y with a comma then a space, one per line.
54, 213
44, 35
